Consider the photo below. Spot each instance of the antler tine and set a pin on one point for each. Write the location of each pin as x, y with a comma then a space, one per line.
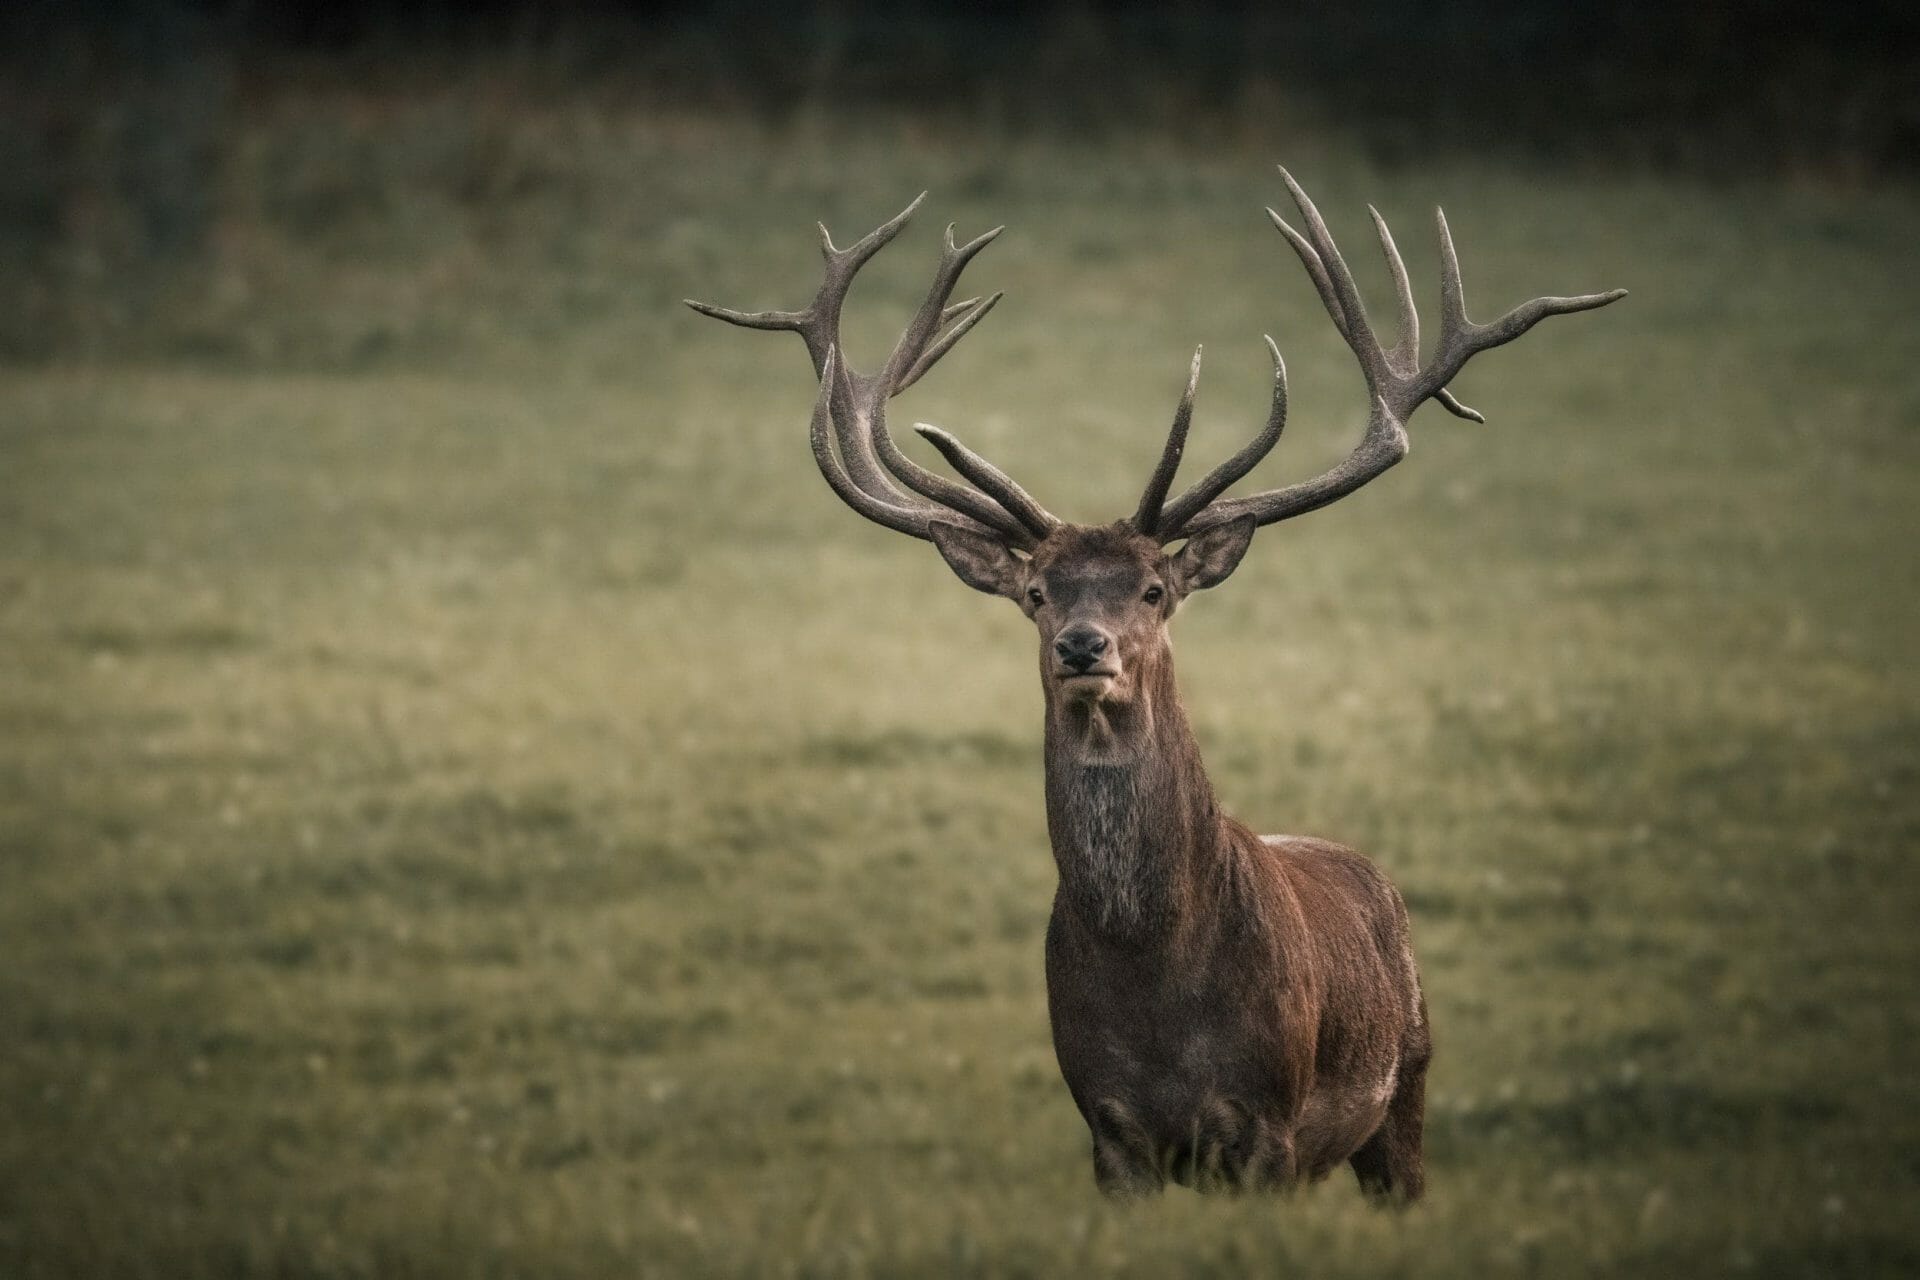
994, 513
1146, 518
912, 351
751, 319
1397, 384
1405, 356
1316, 271
971, 312
1217, 481
996, 483
1358, 334
1453, 300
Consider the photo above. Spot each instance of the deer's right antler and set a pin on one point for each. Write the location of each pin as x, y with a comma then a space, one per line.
869, 471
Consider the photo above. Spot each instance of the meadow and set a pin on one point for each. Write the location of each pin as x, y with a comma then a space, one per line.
473, 803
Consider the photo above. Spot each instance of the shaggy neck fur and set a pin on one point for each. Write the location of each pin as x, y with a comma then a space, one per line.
1129, 808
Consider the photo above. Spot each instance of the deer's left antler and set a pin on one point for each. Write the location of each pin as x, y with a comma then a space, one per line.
1397, 384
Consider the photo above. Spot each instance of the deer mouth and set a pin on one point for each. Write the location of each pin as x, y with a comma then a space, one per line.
1086, 688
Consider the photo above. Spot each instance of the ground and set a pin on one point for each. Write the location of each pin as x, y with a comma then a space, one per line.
473, 803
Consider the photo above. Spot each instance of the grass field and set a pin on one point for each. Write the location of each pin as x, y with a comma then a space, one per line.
472, 803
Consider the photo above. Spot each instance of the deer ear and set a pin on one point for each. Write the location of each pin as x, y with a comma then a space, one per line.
981, 560
1212, 554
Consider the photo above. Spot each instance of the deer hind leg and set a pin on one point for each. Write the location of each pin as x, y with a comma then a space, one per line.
1125, 1165
1389, 1163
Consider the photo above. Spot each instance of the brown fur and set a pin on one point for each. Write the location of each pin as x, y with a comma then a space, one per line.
1228, 1010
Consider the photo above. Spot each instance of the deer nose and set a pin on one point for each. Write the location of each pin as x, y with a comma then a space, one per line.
1080, 647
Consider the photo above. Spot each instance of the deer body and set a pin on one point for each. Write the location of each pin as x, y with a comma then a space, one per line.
1287, 1040
1228, 1009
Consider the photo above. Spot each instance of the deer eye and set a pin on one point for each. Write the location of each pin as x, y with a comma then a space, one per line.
1154, 593
1035, 598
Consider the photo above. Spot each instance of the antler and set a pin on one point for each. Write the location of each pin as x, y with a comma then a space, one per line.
869, 470
1397, 384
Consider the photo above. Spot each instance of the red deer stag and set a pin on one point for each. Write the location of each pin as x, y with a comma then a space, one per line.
1229, 1009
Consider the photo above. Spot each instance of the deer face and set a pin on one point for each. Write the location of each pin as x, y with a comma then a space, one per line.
1099, 596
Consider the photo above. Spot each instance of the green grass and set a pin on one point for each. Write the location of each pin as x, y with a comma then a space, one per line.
473, 803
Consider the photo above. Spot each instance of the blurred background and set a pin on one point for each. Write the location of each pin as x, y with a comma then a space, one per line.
472, 802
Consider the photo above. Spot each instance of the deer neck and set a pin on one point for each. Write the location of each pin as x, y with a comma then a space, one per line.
1130, 810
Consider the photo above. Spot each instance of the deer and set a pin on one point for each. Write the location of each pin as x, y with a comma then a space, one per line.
1229, 1010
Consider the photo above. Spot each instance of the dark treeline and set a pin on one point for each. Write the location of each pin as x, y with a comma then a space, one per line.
1739, 86
143, 140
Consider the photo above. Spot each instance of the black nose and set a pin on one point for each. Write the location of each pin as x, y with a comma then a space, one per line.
1080, 647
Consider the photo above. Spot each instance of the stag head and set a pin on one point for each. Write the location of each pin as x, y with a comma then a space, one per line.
1101, 595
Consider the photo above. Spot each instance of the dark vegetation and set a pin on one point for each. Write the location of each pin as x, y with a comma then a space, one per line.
130, 132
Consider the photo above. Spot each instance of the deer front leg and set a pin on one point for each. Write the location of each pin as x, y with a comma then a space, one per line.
1125, 1164
1234, 1148
1292, 1081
